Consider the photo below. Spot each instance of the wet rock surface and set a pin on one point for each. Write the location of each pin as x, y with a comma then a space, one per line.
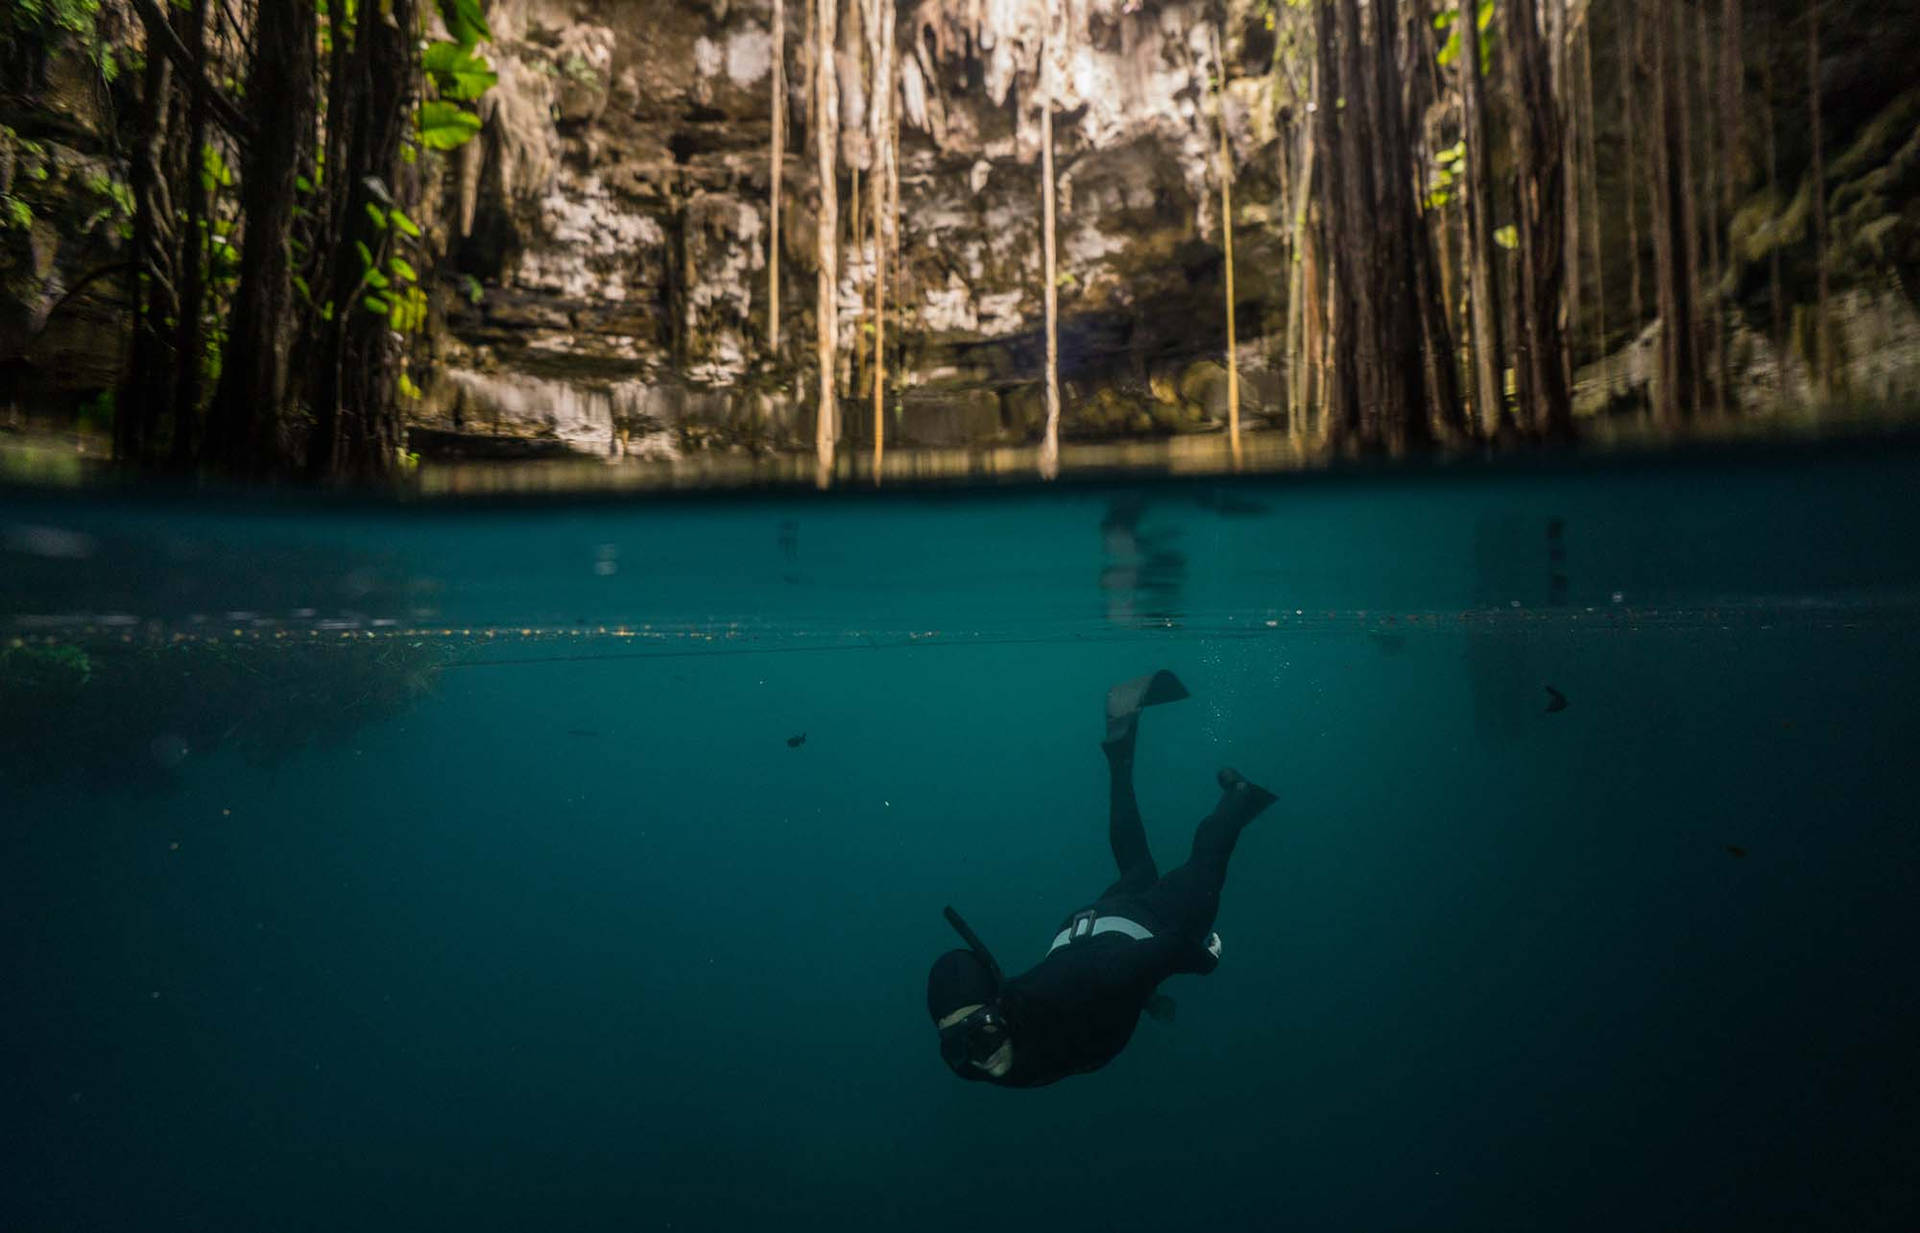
609, 232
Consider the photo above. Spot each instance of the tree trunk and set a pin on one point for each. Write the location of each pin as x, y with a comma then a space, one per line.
1345, 196
195, 253
1540, 165
776, 166
1483, 287
141, 397
1440, 408
246, 425
357, 430
826, 124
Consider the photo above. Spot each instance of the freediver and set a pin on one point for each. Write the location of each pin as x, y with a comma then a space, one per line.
1076, 1009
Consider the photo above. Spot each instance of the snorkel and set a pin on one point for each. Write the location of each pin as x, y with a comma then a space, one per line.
978, 948
973, 1034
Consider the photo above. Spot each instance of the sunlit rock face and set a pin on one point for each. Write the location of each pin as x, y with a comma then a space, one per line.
614, 217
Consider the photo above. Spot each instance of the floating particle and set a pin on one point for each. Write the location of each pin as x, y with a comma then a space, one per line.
1736, 851
797, 740
1556, 701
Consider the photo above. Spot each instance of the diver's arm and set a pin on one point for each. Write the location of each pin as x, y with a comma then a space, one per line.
1173, 954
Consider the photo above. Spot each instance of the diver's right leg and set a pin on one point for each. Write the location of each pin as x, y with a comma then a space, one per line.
1126, 833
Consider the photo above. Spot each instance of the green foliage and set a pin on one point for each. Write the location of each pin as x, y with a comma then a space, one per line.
445, 125
465, 21
1483, 20
404, 225
96, 414
475, 292
457, 73
15, 214
409, 309
214, 172
1507, 237
1447, 170
53, 22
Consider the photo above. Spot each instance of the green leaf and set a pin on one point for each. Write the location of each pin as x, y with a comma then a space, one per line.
407, 388
444, 126
378, 216
376, 279
456, 71
1507, 237
303, 184
366, 254
374, 303
465, 21
402, 269
403, 224
1451, 51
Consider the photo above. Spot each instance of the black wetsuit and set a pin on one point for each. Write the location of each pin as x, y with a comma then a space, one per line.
1075, 1010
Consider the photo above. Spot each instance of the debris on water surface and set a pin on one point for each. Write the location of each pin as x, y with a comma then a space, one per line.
1736, 851
1556, 701
796, 741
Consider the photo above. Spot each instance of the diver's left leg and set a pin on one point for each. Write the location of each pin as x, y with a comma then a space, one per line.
1188, 898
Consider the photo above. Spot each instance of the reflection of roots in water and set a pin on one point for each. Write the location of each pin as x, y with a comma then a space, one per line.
144, 707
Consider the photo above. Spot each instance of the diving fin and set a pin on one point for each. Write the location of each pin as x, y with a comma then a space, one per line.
1126, 700
1160, 1009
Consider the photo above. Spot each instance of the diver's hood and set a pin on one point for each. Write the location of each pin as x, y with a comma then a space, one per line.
962, 977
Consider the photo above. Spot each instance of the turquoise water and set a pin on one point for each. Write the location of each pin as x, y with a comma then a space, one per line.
549, 925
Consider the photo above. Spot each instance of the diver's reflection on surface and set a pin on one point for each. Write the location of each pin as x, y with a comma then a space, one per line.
1144, 573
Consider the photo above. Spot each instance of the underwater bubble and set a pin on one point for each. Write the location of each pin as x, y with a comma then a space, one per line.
169, 750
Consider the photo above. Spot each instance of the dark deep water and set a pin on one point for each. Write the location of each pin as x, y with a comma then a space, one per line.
574, 939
